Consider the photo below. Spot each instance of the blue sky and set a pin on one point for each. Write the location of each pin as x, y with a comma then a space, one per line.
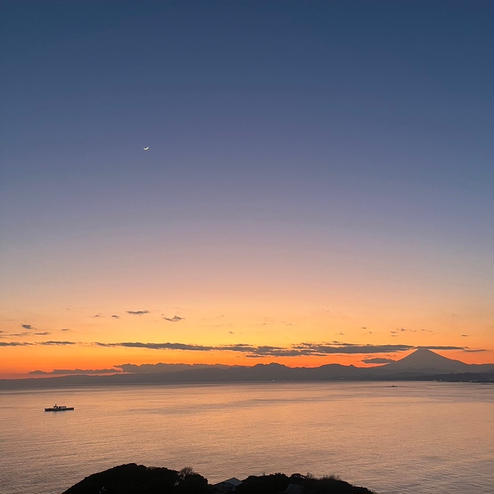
349, 126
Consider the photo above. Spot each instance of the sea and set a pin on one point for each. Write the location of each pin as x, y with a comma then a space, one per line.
391, 437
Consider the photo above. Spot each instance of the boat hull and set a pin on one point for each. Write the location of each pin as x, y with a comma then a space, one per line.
59, 409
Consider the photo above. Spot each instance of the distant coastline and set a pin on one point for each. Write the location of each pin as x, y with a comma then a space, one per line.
422, 365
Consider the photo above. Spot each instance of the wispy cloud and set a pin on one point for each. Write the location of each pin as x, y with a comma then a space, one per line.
158, 346
115, 316
378, 360
61, 343
301, 349
403, 330
162, 368
350, 348
14, 343
175, 318
445, 347
36, 343
255, 351
137, 312
27, 326
28, 333
59, 372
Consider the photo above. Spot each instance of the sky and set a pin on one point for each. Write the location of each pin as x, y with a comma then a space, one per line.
319, 175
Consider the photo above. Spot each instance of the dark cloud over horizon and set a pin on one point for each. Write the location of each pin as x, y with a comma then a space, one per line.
301, 349
378, 360
162, 367
254, 351
57, 343
66, 372
137, 312
14, 343
37, 343
443, 347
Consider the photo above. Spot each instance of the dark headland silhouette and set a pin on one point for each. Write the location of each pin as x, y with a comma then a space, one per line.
138, 479
423, 364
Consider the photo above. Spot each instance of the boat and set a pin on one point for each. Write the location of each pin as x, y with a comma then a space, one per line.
58, 408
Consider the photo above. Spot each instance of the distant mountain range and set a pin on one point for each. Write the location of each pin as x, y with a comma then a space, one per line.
423, 364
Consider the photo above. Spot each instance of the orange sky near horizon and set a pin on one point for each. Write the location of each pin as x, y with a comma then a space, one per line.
205, 325
18, 364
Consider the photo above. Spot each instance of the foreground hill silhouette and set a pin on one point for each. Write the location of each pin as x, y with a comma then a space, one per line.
422, 364
139, 479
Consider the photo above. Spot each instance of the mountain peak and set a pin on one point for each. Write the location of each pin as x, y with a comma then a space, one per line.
424, 350
426, 360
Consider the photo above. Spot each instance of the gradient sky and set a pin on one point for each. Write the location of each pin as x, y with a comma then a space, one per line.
319, 172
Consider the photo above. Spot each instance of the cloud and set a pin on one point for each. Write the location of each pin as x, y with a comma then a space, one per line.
175, 318
158, 346
472, 350
43, 343
444, 347
407, 329
97, 315
137, 312
42, 333
27, 326
65, 329
465, 335
48, 343
57, 372
378, 360
302, 349
14, 343
161, 367
338, 347
115, 316
257, 351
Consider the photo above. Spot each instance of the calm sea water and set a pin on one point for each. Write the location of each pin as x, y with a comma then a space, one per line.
395, 438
